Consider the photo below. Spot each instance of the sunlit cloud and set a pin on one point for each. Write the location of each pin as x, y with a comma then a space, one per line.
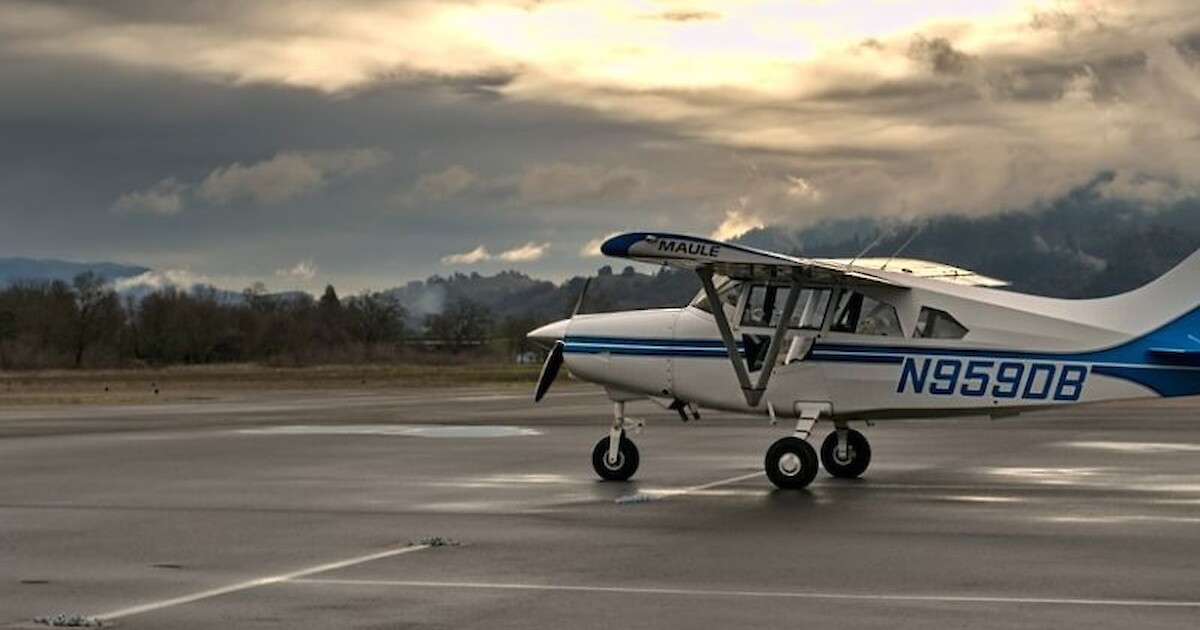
591, 249
753, 45
164, 198
525, 253
735, 224
303, 270
479, 254
528, 252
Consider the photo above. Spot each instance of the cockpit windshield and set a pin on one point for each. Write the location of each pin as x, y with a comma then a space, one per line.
729, 290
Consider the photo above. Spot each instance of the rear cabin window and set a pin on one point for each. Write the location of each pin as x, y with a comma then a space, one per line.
937, 324
863, 315
764, 307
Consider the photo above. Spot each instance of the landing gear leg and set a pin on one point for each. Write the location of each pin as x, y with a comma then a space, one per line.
791, 462
615, 458
845, 453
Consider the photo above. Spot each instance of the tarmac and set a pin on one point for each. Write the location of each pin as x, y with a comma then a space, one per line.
475, 508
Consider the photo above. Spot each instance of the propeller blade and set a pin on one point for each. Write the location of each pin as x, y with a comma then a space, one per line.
554, 361
579, 303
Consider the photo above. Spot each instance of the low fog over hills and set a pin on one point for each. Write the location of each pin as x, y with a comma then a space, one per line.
1081, 245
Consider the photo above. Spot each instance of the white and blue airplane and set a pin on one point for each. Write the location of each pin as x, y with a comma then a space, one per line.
846, 341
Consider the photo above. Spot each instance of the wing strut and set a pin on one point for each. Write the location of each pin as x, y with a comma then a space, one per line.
785, 318
752, 392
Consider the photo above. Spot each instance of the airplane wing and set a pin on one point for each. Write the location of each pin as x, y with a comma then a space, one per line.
747, 263
731, 260
923, 269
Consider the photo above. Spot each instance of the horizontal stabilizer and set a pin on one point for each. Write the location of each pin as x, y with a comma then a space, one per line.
1185, 356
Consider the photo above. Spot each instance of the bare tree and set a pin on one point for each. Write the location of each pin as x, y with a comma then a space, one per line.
463, 322
514, 329
97, 313
376, 318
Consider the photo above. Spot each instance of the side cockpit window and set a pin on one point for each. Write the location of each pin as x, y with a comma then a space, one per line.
765, 304
863, 315
937, 324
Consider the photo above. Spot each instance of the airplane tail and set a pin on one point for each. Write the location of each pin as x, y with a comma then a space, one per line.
1163, 319
1170, 297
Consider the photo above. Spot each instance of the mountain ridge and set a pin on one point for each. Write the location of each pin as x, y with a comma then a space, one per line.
18, 268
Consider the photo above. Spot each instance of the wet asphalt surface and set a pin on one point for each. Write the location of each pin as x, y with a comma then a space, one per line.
297, 510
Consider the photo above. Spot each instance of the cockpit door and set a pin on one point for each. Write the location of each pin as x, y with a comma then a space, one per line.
760, 311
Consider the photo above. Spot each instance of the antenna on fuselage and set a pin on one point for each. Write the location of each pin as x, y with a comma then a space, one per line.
911, 238
878, 240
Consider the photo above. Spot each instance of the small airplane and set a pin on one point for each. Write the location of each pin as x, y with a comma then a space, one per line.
862, 340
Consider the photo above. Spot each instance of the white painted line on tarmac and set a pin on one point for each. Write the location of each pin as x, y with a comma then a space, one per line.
655, 494
815, 595
1144, 448
1125, 519
1051, 488
716, 484
255, 583
523, 396
398, 430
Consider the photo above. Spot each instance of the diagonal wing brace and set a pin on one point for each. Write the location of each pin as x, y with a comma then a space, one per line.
752, 392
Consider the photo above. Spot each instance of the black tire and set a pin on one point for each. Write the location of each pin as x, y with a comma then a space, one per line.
858, 450
791, 463
627, 460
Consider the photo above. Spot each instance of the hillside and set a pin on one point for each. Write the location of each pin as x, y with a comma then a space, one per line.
1082, 245
16, 269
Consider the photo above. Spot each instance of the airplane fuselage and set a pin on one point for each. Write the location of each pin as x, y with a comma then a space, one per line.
1018, 353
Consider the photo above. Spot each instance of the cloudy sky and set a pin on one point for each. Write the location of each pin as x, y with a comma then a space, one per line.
369, 142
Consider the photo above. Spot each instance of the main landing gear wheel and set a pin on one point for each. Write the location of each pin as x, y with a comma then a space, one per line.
791, 463
623, 468
853, 463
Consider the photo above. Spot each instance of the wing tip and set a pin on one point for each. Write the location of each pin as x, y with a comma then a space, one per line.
618, 246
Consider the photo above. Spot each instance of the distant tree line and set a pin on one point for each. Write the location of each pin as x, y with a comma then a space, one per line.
86, 323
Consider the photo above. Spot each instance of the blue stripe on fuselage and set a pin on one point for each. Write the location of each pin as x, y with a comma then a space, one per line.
1130, 361
633, 346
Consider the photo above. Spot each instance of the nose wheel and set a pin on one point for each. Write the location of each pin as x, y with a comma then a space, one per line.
615, 458
619, 467
791, 463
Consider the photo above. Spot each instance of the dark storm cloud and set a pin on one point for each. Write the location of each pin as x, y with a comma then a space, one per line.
110, 164
939, 54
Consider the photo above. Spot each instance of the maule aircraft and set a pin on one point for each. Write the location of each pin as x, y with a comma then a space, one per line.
846, 341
